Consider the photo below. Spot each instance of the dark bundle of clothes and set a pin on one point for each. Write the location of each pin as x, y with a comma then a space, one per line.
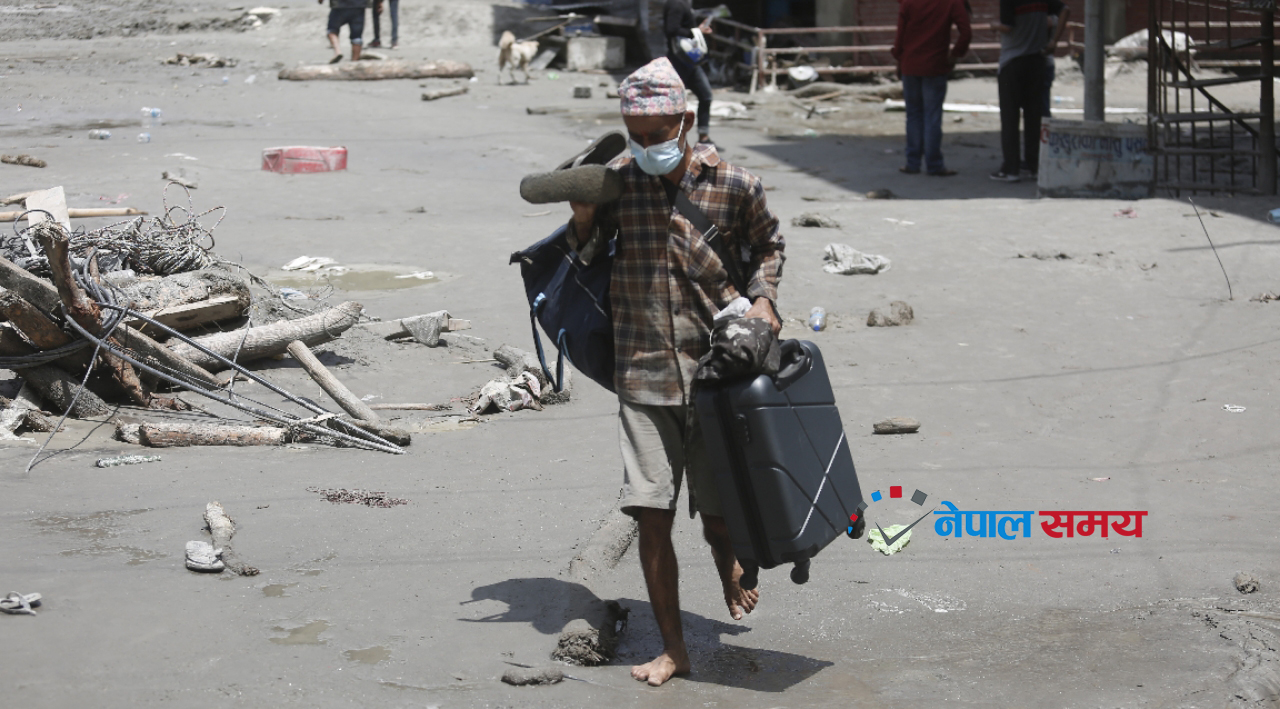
740, 347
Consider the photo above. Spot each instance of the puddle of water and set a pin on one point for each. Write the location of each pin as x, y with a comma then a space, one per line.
450, 423
359, 277
308, 634
277, 590
368, 656
97, 528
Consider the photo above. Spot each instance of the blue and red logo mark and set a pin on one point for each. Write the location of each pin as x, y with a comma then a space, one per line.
1007, 523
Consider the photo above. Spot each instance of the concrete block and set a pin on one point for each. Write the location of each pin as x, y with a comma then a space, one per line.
585, 53
1092, 159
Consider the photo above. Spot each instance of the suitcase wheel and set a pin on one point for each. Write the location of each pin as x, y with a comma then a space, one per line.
800, 572
750, 576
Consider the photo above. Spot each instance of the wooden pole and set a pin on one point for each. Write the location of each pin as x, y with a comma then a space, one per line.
12, 216
334, 388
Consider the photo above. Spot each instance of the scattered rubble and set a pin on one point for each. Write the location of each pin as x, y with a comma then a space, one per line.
899, 314
27, 160
126, 460
211, 61
1245, 583
358, 497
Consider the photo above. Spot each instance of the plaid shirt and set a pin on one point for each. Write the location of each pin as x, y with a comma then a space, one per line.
668, 283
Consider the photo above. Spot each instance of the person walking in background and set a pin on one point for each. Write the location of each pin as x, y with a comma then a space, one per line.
922, 48
1024, 34
351, 14
394, 7
678, 23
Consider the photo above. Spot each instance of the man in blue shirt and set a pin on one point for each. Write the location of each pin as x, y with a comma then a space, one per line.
1024, 34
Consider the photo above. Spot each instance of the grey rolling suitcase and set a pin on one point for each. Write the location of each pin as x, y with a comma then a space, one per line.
782, 463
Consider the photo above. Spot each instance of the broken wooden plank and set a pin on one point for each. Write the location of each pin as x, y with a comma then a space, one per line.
221, 528
17, 198
193, 315
371, 71
410, 407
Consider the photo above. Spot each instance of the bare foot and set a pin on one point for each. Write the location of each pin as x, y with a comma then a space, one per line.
737, 599
661, 669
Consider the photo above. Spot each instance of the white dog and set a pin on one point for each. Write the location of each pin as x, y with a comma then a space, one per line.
514, 55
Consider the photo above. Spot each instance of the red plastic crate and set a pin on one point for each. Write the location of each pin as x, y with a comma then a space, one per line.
304, 158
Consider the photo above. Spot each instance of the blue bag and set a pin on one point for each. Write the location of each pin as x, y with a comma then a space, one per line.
571, 302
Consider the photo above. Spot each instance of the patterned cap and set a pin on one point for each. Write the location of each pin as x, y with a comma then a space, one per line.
655, 89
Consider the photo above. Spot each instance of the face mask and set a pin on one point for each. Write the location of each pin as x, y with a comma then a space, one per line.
662, 158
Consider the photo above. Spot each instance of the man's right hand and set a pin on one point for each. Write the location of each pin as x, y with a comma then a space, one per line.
584, 216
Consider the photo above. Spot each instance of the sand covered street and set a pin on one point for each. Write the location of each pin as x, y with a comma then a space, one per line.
1065, 355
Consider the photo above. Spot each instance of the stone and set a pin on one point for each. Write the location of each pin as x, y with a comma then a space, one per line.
881, 194
1245, 583
582, 92
813, 219
896, 424
899, 314
524, 676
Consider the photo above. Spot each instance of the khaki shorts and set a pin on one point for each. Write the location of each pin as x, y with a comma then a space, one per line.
659, 444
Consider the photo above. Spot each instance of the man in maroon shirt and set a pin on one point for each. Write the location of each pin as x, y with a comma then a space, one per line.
925, 56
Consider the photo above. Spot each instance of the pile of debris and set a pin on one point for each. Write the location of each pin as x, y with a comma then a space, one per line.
112, 315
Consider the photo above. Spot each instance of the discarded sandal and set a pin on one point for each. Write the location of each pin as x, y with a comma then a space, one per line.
19, 604
201, 556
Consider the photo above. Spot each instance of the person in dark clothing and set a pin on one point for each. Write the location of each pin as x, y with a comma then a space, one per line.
1024, 36
394, 7
678, 22
922, 48
351, 14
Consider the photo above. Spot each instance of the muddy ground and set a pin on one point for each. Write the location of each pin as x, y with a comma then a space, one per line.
1064, 356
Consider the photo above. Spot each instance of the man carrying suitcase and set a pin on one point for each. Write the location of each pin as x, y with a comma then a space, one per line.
667, 285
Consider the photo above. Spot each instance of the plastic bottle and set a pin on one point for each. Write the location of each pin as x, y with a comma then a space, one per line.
1274, 216
151, 117
144, 137
818, 319
99, 134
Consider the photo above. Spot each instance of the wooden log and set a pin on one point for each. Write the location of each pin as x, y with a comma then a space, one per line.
129, 432
391, 434
86, 313
221, 528
44, 296
26, 160
58, 388
173, 435
17, 198
35, 325
334, 388
371, 71
443, 93
90, 213
273, 339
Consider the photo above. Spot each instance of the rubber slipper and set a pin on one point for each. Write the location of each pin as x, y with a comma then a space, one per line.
19, 604
336, 58
201, 556
599, 152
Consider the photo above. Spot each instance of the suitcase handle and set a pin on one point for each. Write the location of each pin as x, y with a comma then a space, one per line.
796, 362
